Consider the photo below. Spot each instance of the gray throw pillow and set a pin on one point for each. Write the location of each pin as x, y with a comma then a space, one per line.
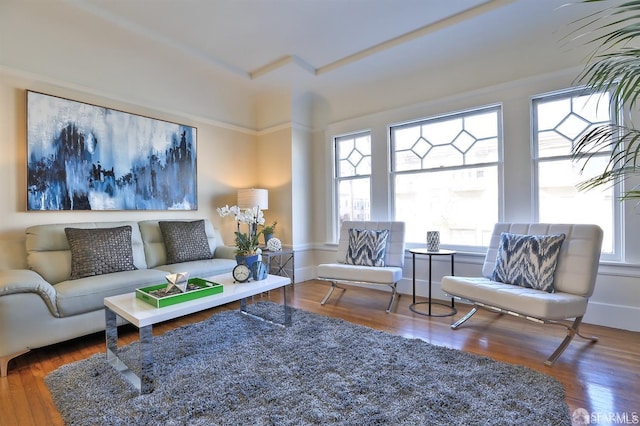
99, 251
367, 247
185, 241
528, 260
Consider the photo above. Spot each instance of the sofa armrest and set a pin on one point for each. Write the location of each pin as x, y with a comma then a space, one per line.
225, 252
13, 281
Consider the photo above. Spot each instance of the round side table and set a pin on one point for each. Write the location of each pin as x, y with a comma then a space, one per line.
425, 252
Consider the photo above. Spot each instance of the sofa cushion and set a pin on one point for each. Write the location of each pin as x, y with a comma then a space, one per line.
367, 247
528, 260
185, 241
87, 294
100, 251
48, 251
201, 268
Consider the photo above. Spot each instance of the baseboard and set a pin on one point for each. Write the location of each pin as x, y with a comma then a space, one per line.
616, 316
598, 313
305, 274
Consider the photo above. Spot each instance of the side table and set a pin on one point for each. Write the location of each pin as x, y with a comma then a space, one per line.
426, 252
279, 263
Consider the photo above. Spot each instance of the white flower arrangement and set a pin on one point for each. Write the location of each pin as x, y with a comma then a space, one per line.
246, 243
247, 216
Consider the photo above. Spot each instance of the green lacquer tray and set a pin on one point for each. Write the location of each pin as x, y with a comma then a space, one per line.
207, 288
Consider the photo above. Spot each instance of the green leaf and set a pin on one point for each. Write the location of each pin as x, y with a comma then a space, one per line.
613, 67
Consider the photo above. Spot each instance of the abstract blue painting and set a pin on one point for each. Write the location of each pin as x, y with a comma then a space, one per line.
85, 157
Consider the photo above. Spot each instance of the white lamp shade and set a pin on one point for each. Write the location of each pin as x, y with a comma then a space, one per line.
252, 197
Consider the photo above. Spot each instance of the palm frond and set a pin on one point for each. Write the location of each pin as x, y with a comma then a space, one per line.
613, 67
618, 72
621, 144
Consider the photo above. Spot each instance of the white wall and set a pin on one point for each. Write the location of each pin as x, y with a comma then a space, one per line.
616, 301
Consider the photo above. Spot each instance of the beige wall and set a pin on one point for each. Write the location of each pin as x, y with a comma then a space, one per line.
229, 158
285, 167
226, 161
274, 171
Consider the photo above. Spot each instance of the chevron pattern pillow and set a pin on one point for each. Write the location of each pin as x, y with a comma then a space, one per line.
528, 260
367, 247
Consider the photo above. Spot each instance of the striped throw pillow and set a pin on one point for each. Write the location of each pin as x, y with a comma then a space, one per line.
367, 247
528, 260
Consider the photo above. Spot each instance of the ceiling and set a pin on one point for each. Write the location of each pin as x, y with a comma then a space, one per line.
243, 61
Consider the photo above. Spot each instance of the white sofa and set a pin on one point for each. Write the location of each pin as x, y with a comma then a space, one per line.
40, 304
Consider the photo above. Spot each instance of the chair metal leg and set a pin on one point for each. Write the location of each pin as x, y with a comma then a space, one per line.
464, 318
334, 285
394, 295
571, 332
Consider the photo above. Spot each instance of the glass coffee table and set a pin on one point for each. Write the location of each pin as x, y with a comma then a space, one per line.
144, 316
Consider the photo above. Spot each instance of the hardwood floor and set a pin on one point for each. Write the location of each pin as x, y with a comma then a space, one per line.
603, 378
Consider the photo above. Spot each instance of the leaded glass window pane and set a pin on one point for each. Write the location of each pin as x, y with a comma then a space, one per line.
445, 172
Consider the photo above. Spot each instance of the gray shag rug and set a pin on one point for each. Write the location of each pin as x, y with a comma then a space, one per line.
232, 369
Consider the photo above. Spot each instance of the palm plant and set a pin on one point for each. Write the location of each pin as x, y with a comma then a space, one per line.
615, 67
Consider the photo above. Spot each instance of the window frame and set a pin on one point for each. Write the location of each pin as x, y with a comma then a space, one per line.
618, 211
499, 164
337, 179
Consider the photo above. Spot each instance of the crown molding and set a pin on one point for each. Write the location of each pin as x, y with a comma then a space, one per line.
33, 78
449, 21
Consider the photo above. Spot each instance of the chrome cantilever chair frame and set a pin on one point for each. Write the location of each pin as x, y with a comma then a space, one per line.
574, 281
388, 275
571, 327
334, 285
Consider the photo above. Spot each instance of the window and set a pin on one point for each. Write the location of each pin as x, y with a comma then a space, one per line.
353, 176
559, 120
445, 176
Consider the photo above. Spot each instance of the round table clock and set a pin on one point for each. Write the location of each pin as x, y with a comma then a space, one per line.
241, 273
